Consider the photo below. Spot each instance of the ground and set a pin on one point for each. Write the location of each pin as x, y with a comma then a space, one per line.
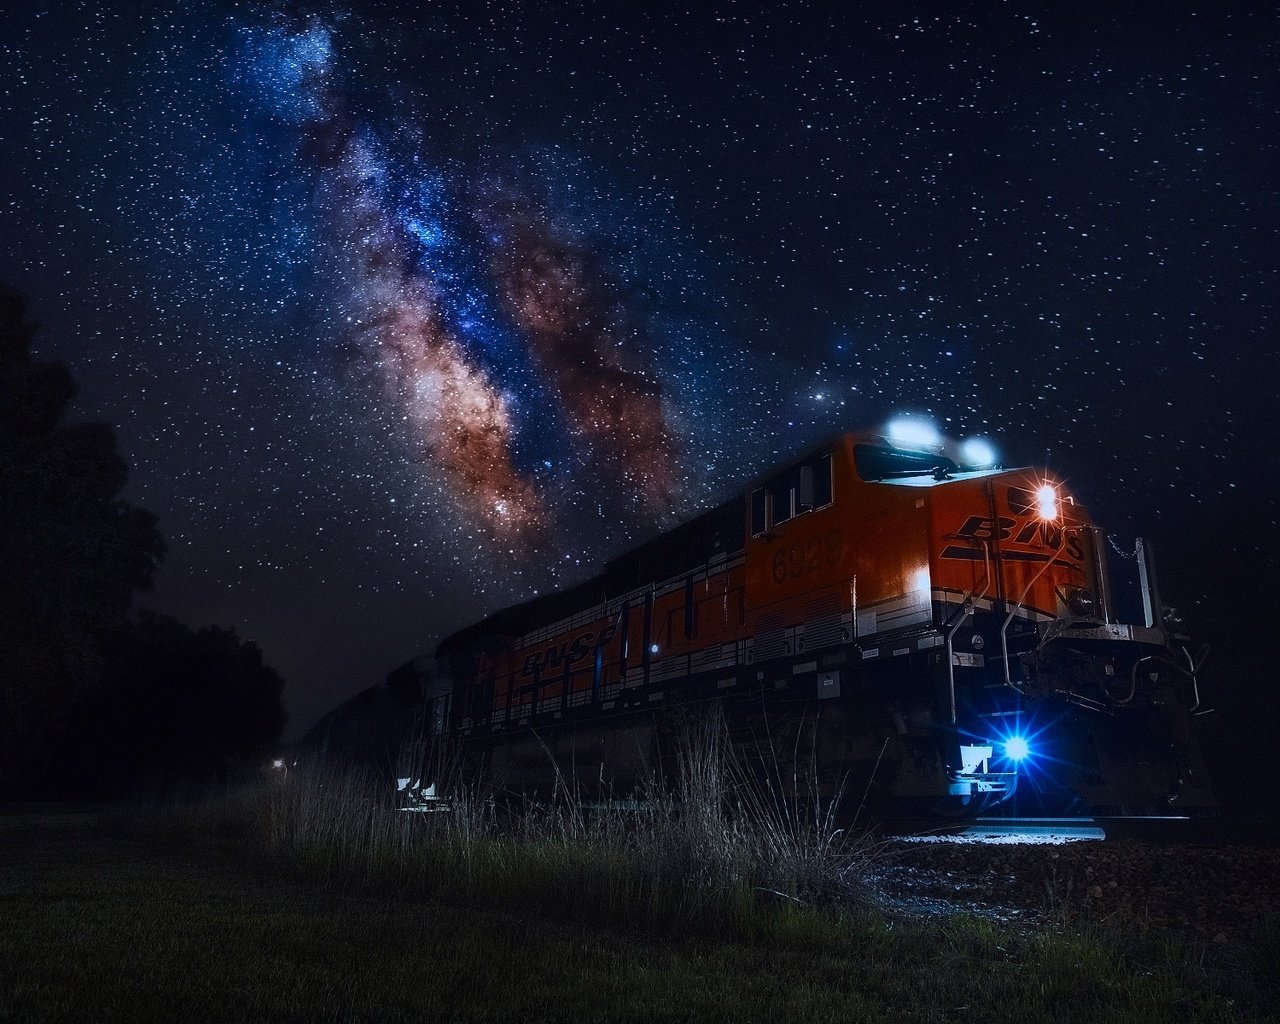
1194, 891
98, 924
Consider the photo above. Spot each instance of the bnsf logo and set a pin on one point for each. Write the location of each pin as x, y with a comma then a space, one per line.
1033, 532
568, 652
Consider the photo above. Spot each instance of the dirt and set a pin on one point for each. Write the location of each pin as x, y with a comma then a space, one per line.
1216, 893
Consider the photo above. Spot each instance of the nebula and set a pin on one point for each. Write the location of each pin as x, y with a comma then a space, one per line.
459, 415
459, 331
590, 346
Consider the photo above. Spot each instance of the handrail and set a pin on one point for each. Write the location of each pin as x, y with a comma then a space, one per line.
1193, 668
1004, 629
966, 605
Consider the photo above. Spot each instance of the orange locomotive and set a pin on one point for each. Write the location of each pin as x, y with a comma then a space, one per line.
913, 620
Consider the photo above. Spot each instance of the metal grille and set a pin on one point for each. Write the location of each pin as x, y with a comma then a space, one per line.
770, 639
823, 623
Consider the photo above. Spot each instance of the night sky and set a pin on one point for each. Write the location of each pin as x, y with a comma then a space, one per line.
405, 313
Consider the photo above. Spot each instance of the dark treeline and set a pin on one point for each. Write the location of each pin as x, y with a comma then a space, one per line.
93, 701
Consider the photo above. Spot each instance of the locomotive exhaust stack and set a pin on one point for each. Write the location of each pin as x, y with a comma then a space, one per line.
891, 610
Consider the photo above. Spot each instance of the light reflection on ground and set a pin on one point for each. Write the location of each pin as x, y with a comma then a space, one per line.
1011, 831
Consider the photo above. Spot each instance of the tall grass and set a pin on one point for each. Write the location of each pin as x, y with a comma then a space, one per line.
726, 846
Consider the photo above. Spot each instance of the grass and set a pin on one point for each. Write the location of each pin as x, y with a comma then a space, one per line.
726, 849
103, 927
733, 898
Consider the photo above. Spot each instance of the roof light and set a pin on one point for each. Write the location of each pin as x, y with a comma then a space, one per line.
912, 433
1047, 501
977, 452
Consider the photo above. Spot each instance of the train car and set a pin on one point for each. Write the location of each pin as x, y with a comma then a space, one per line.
923, 629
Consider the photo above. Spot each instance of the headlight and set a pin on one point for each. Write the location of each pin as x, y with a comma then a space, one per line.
1047, 501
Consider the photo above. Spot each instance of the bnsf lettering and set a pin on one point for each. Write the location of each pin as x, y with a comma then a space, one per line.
982, 528
1050, 535
1033, 532
569, 652
580, 648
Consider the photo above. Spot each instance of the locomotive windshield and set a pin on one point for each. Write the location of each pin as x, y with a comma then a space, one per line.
881, 462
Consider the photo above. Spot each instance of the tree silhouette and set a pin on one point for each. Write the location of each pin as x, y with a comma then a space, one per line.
72, 553
175, 703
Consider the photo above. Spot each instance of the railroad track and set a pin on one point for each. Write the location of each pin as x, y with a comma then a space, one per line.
996, 829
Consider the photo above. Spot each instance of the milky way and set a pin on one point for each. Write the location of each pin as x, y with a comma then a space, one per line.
589, 345
437, 321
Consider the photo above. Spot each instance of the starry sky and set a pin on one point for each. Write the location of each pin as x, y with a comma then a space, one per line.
403, 313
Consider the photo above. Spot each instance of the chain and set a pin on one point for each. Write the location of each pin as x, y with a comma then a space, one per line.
1131, 555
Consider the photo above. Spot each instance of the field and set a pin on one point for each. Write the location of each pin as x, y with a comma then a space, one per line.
230, 913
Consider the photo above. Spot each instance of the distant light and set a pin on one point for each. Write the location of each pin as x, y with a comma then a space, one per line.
653, 649
1016, 748
277, 763
913, 433
1047, 501
977, 452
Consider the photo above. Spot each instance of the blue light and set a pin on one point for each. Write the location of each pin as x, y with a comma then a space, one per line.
1016, 748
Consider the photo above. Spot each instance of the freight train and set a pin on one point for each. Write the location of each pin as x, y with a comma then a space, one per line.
902, 618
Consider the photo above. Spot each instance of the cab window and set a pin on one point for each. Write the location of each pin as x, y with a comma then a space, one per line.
793, 492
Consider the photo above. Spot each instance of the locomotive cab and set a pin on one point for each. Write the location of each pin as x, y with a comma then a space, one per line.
1044, 684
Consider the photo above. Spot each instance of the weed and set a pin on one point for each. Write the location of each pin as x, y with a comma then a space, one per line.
729, 847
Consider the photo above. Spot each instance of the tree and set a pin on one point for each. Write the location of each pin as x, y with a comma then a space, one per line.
72, 553
176, 703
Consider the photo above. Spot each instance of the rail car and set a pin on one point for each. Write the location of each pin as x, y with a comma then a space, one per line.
925, 629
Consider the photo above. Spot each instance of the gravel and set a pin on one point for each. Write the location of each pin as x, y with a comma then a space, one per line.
1214, 893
